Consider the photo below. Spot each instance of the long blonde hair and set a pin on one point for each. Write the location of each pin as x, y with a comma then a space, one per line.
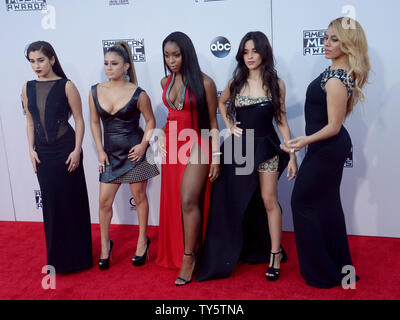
124, 51
354, 45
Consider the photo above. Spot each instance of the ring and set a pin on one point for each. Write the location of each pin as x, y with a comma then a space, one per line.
74, 165
102, 165
292, 150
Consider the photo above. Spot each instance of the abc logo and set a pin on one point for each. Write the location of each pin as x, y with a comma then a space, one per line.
220, 47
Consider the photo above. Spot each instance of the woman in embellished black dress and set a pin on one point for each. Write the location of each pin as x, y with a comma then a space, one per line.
245, 220
56, 156
318, 217
125, 157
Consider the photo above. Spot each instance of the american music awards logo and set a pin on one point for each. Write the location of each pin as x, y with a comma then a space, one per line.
26, 5
137, 48
313, 42
349, 160
118, 2
132, 204
38, 199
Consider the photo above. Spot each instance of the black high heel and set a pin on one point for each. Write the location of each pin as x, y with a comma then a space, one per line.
185, 282
284, 257
274, 272
104, 264
138, 261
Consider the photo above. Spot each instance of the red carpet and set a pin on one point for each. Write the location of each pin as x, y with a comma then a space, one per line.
22, 253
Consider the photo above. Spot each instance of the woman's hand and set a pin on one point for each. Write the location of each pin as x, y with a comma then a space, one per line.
215, 169
298, 143
137, 152
161, 143
103, 161
295, 145
235, 130
34, 159
73, 160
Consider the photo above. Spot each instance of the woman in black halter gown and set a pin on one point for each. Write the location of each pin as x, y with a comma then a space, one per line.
318, 217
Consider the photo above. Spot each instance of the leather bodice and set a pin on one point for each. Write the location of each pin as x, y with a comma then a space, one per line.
121, 133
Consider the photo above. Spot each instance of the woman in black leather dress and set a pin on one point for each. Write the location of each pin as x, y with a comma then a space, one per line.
125, 157
245, 219
56, 155
318, 217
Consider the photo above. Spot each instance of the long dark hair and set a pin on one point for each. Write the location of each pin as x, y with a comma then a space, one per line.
268, 73
191, 75
124, 51
47, 49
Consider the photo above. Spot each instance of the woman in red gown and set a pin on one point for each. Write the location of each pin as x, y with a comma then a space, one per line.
190, 159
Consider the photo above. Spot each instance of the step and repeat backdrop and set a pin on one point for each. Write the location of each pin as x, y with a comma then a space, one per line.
80, 31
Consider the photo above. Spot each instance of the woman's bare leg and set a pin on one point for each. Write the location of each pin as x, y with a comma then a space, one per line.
142, 207
269, 192
107, 196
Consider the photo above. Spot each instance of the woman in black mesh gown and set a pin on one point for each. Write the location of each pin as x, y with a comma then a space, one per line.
56, 156
318, 217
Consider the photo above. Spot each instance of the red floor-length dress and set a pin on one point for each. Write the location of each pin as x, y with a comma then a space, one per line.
171, 239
